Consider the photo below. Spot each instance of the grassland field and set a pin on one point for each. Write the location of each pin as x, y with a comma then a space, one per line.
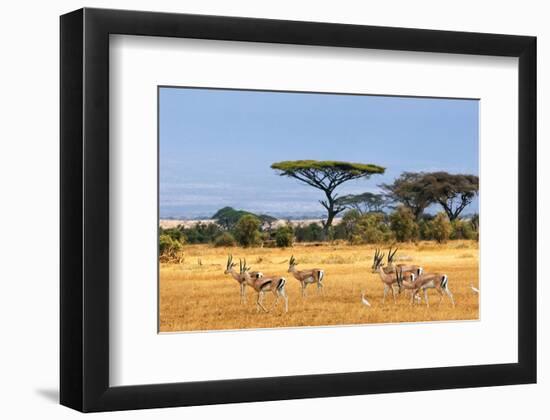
196, 295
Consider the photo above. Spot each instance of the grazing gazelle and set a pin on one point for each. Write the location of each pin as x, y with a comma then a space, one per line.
305, 277
437, 281
261, 285
388, 279
237, 276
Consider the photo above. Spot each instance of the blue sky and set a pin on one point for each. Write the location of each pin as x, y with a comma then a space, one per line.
216, 146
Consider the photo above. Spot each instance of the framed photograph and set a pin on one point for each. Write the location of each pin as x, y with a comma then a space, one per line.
258, 209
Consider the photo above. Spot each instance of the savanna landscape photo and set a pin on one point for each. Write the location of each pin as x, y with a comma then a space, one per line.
291, 209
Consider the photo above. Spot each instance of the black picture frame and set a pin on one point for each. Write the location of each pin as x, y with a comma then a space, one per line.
84, 282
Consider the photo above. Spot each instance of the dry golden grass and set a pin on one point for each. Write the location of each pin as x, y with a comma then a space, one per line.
198, 296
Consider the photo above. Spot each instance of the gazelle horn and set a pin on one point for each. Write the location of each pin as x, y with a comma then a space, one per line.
229, 261
390, 255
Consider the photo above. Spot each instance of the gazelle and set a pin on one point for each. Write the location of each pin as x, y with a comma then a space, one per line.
402, 270
305, 277
388, 279
437, 281
262, 284
237, 276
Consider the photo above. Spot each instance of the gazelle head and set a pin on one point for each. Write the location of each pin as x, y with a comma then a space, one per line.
230, 264
292, 264
377, 261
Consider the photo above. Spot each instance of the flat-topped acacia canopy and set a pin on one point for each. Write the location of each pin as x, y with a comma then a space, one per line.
322, 165
326, 175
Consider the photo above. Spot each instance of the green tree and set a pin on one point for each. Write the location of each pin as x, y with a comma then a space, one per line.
284, 236
225, 239
454, 192
366, 228
410, 190
441, 228
227, 217
403, 224
349, 223
247, 230
326, 176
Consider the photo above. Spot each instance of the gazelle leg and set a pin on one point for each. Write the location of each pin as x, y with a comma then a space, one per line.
303, 289
282, 293
450, 296
259, 301
276, 294
440, 296
385, 293
426, 298
242, 293
393, 294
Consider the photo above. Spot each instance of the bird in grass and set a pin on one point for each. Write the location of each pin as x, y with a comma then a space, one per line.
364, 299
474, 289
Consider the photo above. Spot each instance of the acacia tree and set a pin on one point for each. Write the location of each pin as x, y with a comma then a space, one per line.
417, 190
326, 176
410, 189
454, 192
364, 203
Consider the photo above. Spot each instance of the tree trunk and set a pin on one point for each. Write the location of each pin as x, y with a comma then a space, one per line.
331, 213
330, 218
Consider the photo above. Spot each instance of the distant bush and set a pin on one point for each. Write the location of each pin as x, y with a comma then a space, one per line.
284, 236
365, 228
403, 225
225, 239
425, 230
339, 232
170, 250
228, 217
174, 233
202, 233
441, 228
463, 229
247, 231
309, 233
